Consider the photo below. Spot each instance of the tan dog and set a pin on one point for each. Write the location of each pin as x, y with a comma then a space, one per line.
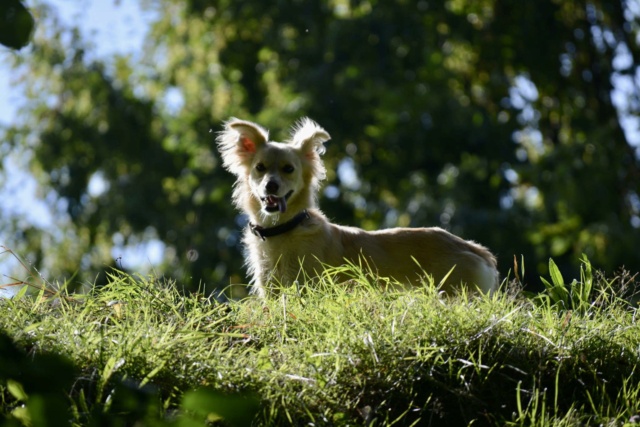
277, 187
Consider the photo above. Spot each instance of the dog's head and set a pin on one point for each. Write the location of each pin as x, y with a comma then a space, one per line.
273, 177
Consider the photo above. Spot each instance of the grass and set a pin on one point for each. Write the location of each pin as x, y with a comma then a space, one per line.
139, 351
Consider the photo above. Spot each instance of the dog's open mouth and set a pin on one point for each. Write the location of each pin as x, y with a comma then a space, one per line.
276, 204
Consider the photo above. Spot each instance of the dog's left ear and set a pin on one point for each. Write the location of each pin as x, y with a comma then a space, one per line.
309, 137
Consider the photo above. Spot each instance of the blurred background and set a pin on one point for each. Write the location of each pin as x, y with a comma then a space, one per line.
511, 123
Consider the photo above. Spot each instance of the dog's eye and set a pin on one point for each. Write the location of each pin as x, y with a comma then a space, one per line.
287, 169
260, 167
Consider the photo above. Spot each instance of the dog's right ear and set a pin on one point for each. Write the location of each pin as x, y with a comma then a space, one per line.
238, 142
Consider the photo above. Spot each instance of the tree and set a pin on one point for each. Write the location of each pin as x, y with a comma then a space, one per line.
460, 114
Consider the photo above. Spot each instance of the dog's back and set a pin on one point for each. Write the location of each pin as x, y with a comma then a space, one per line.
408, 254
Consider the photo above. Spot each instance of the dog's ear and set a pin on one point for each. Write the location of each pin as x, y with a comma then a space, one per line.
238, 142
309, 137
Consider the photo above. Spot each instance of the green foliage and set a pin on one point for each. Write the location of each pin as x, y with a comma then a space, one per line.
211, 405
34, 389
49, 390
139, 351
574, 296
461, 114
35, 392
589, 293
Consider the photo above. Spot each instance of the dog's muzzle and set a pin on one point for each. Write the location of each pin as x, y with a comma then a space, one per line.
273, 203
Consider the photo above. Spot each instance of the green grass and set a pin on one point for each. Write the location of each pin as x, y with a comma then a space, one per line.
138, 350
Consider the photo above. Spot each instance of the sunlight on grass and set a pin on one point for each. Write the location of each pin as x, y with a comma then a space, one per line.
335, 353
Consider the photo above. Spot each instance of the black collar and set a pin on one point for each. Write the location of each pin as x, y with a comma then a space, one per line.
264, 232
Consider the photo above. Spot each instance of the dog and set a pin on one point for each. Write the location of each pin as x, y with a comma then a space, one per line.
277, 186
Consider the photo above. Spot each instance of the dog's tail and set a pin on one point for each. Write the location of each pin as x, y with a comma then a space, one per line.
489, 279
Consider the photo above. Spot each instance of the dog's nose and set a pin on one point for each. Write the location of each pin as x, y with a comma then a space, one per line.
272, 187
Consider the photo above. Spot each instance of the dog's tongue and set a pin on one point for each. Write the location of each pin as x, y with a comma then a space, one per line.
280, 201
282, 204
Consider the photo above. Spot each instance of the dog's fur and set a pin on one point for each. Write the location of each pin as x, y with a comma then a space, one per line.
276, 181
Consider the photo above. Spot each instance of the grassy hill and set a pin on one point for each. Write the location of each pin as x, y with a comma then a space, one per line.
140, 351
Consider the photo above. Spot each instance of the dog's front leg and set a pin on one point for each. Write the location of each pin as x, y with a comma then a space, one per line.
259, 281
259, 290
